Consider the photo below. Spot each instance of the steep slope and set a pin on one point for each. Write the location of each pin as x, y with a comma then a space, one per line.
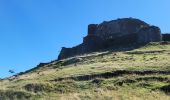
125, 73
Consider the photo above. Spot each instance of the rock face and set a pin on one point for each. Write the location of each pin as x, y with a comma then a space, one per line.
166, 37
116, 32
149, 34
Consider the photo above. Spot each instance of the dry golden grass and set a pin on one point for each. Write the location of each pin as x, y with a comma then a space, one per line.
150, 57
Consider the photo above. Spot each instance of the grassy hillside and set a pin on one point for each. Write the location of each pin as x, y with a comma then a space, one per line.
138, 74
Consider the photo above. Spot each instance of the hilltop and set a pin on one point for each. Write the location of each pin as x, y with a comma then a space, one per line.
118, 32
131, 63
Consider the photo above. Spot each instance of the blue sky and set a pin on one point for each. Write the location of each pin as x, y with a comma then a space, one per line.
33, 31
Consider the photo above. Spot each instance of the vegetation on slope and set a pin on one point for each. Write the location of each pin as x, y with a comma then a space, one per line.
139, 74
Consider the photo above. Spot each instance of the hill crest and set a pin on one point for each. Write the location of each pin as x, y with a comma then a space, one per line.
116, 32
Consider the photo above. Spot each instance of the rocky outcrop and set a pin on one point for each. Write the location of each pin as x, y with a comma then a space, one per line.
116, 32
149, 34
166, 37
116, 28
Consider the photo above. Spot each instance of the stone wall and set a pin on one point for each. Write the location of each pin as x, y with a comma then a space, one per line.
116, 32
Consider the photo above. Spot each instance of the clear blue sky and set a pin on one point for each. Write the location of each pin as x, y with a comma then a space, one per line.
33, 31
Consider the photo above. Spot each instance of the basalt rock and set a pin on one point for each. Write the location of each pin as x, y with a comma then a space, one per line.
116, 32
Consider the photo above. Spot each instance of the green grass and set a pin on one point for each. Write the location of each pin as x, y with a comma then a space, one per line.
39, 84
